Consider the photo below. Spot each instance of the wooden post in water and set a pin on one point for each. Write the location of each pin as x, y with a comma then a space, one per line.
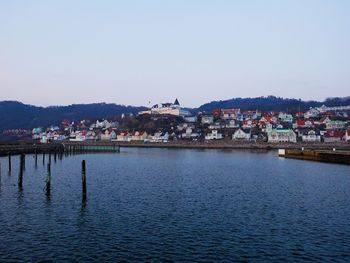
50, 157
83, 178
21, 168
55, 157
24, 161
43, 158
48, 180
36, 157
10, 166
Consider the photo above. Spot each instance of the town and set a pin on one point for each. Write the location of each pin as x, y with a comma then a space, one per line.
170, 122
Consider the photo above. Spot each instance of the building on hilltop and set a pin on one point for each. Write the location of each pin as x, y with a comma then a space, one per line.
167, 109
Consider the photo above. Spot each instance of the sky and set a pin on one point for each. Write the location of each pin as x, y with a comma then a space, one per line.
151, 51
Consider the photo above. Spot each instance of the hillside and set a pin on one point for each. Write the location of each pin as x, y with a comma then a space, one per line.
15, 114
271, 103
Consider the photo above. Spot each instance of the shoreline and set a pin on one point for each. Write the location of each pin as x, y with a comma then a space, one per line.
236, 145
34, 147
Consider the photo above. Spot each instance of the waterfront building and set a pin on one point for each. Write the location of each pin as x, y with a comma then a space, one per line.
108, 135
332, 136
310, 136
241, 135
214, 135
189, 134
36, 133
124, 137
347, 135
285, 135
78, 136
139, 136
160, 137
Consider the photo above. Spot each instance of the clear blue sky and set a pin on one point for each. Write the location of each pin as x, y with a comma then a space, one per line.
132, 52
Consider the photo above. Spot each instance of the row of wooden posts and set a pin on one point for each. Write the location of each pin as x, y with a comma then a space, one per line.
22, 166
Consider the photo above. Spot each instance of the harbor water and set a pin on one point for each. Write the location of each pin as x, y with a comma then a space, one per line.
176, 205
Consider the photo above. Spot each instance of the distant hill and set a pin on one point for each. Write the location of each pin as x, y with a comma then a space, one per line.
271, 103
15, 115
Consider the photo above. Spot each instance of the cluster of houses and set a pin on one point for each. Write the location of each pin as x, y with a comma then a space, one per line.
322, 124
314, 125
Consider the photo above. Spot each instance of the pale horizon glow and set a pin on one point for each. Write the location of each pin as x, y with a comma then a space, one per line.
132, 52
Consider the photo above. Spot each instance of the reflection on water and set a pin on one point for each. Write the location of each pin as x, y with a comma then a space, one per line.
176, 205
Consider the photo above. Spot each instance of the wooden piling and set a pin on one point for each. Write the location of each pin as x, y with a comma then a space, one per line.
43, 158
24, 161
83, 178
10, 165
21, 168
36, 157
48, 180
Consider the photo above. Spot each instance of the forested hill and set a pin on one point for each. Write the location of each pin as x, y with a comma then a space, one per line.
15, 114
271, 103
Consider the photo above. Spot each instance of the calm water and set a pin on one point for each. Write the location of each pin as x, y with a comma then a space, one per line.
160, 205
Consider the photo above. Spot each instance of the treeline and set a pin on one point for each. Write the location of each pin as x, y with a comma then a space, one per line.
15, 114
271, 103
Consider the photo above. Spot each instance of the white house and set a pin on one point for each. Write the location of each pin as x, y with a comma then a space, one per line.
232, 124
43, 138
207, 119
91, 135
108, 135
77, 136
59, 137
285, 117
311, 136
249, 123
214, 135
333, 125
191, 119
124, 137
102, 124
281, 136
160, 137
241, 135
312, 113
139, 136
189, 134
217, 125
347, 135
229, 114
